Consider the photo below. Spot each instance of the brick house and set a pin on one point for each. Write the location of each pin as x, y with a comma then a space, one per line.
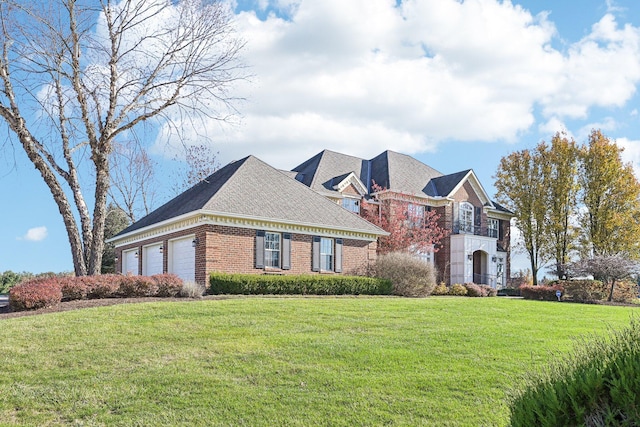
247, 218
478, 246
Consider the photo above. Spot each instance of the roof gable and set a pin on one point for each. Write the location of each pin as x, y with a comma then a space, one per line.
250, 188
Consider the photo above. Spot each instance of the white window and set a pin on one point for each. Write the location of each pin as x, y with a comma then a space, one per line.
493, 227
415, 215
466, 217
272, 250
326, 254
350, 204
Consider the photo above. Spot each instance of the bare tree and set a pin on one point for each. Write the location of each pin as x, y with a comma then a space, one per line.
607, 268
133, 184
78, 76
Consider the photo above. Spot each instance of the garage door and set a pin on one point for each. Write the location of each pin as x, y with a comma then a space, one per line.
152, 259
130, 262
182, 258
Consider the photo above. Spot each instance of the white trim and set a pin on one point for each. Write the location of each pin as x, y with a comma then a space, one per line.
200, 217
477, 187
351, 179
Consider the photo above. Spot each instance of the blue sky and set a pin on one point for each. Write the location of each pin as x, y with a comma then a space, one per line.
455, 84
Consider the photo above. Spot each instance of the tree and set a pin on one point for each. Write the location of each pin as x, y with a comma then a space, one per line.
78, 77
521, 188
116, 221
561, 163
200, 161
607, 268
412, 228
611, 196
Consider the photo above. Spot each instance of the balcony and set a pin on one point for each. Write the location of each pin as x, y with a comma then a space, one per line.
459, 228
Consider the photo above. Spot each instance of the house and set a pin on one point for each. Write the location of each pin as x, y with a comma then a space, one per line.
477, 248
247, 218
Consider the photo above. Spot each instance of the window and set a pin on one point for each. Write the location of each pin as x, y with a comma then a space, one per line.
326, 254
466, 217
415, 215
350, 204
272, 250
493, 228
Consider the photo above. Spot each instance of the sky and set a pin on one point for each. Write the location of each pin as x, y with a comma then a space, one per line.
455, 84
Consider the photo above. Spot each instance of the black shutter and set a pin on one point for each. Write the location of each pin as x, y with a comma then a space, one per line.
286, 251
315, 254
500, 229
338, 267
260, 249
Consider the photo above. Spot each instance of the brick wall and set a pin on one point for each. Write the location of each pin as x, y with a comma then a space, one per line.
232, 250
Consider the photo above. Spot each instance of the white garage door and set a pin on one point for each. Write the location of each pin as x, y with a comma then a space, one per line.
182, 258
130, 262
152, 259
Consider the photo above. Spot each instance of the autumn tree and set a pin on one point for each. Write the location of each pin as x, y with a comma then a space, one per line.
560, 170
521, 188
609, 269
411, 227
610, 194
80, 76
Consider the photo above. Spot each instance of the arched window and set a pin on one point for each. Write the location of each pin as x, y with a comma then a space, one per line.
466, 217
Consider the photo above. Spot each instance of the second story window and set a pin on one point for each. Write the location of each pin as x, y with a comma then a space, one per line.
350, 204
466, 217
493, 227
415, 215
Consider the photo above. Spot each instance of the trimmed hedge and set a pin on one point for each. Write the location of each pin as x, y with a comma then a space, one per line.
267, 284
540, 292
596, 385
46, 292
595, 290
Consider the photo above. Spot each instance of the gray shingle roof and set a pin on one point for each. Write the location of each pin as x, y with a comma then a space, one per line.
323, 171
250, 187
401, 173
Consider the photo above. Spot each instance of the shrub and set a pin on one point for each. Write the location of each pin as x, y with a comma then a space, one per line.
596, 385
410, 276
582, 290
169, 285
192, 290
542, 293
104, 286
34, 294
136, 286
440, 289
458, 290
262, 284
488, 291
625, 291
73, 288
473, 290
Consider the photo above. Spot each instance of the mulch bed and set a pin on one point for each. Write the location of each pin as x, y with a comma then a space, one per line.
5, 312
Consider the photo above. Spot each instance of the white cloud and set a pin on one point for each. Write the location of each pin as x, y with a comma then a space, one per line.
363, 75
631, 153
35, 234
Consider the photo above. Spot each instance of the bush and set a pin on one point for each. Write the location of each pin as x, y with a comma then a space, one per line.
410, 276
104, 286
440, 289
596, 385
263, 284
38, 293
73, 288
192, 290
489, 291
458, 290
625, 291
137, 286
169, 285
541, 293
474, 290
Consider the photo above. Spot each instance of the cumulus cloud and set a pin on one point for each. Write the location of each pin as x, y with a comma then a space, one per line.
366, 75
35, 234
631, 153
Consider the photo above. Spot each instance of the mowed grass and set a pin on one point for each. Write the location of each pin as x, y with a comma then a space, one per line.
284, 361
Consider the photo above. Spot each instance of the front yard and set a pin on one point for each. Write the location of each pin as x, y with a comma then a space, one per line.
284, 361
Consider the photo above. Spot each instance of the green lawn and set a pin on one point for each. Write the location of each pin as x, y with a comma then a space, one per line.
284, 361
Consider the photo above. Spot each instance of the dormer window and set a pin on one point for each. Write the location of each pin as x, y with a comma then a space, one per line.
351, 204
466, 217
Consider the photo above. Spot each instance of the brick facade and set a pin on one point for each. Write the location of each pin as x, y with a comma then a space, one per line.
232, 250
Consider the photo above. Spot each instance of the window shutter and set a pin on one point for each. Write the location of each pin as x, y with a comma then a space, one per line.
338, 267
286, 251
477, 222
260, 249
500, 229
315, 254
456, 217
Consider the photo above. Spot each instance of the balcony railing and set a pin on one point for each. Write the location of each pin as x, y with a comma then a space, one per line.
459, 228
